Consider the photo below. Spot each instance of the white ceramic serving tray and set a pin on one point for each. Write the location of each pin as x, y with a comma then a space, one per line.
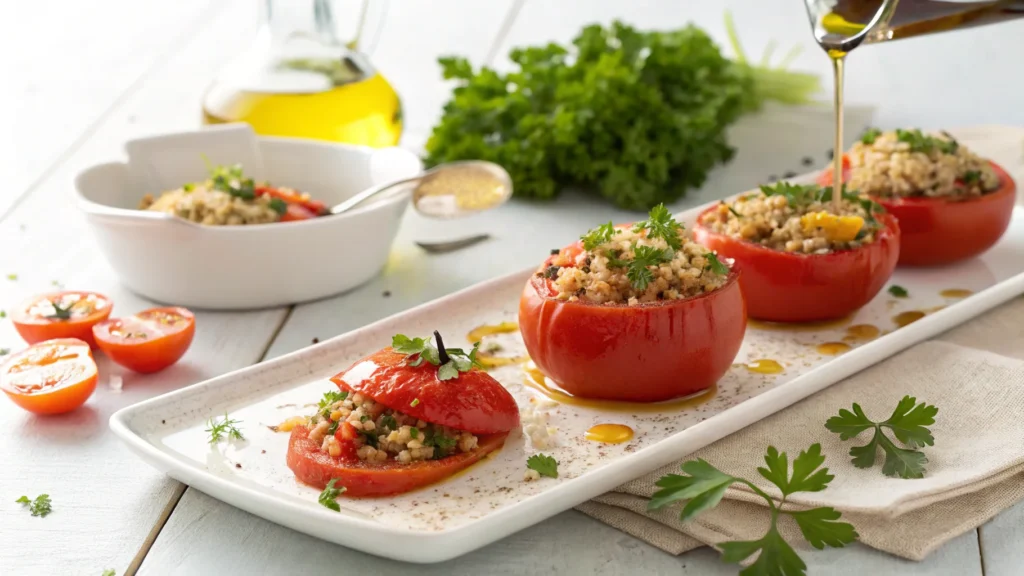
491, 500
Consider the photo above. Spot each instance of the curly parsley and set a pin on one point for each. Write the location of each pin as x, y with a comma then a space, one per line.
638, 270
661, 224
908, 422
41, 506
449, 361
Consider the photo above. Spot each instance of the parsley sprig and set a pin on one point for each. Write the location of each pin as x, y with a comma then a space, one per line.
870, 135
920, 142
898, 291
327, 498
703, 486
908, 422
661, 224
544, 465
40, 506
232, 180
799, 195
218, 428
60, 312
638, 270
598, 236
449, 361
715, 265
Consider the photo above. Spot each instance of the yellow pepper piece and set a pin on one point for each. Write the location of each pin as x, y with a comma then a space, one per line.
836, 228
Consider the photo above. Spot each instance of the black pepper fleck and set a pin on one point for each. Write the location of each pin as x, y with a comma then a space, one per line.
807, 161
237, 465
163, 421
555, 251
829, 153
386, 293
789, 175
316, 340
773, 178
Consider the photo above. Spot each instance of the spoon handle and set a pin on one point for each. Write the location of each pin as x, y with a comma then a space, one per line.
367, 194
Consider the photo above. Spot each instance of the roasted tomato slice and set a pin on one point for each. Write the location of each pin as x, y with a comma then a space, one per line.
643, 353
789, 287
316, 468
936, 231
148, 341
474, 402
69, 314
52, 377
295, 198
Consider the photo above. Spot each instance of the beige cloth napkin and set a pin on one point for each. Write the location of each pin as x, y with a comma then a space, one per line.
974, 374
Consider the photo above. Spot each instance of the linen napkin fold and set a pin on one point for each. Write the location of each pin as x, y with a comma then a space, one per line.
973, 373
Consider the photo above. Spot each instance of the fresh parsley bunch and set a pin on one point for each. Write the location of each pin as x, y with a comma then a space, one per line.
703, 486
636, 117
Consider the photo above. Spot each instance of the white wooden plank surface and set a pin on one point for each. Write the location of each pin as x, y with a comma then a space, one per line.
105, 500
1002, 543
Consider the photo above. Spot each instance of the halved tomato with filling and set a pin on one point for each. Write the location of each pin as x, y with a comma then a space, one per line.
148, 341
52, 377
69, 314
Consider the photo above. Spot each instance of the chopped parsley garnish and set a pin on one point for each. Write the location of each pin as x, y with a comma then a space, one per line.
330, 493
544, 465
60, 313
971, 177
230, 179
908, 422
795, 194
333, 427
3, 314
217, 429
715, 265
898, 291
415, 402
661, 224
733, 210
638, 269
188, 187
449, 361
388, 421
598, 236
38, 507
278, 205
109, 572
443, 444
330, 398
12, 277
920, 142
414, 432
869, 135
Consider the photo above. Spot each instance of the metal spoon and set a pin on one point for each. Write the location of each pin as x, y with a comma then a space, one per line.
449, 190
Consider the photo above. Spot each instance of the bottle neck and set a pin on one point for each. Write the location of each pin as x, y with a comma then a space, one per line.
311, 18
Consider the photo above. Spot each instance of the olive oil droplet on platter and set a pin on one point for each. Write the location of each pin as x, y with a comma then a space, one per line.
832, 348
909, 317
764, 366
862, 332
955, 293
610, 433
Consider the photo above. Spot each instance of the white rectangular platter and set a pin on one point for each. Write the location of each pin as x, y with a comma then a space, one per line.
491, 500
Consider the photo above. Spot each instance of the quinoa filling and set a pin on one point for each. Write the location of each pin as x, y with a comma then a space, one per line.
794, 218
383, 433
908, 163
651, 261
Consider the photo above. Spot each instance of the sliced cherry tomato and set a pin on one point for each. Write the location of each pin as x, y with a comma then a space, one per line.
788, 287
316, 468
148, 341
294, 212
69, 314
936, 231
51, 377
294, 197
645, 353
474, 402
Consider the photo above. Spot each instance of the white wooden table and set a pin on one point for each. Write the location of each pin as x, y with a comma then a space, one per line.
80, 78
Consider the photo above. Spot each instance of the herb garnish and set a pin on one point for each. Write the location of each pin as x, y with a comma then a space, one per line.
638, 271
449, 361
226, 426
715, 265
60, 313
415, 402
971, 177
230, 179
908, 423
109, 572
443, 444
3, 314
330, 398
188, 187
327, 497
898, 291
38, 507
544, 465
705, 485
5, 351
920, 142
733, 210
598, 236
661, 224
278, 205
869, 135
12, 277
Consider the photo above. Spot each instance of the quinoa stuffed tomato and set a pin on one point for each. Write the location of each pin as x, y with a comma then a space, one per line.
803, 260
951, 204
405, 417
635, 313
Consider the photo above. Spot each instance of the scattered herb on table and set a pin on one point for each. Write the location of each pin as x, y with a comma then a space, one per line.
40, 506
898, 291
544, 465
329, 494
637, 117
703, 486
218, 428
3, 314
5, 351
449, 361
908, 422
109, 572
12, 277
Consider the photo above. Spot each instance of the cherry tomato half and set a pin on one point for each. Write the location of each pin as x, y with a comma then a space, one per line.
644, 353
474, 402
316, 468
69, 314
936, 231
51, 377
148, 341
295, 198
788, 287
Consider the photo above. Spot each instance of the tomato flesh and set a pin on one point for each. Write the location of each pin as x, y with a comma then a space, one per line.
305, 207
937, 231
644, 353
51, 377
148, 341
39, 318
789, 287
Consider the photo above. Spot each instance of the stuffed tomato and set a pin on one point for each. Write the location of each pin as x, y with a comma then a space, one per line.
633, 313
408, 416
950, 203
803, 260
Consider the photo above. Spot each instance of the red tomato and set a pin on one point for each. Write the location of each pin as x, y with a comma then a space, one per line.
52, 377
69, 314
788, 287
641, 353
294, 197
317, 468
474, 402
148, 341
294, 212
938, 231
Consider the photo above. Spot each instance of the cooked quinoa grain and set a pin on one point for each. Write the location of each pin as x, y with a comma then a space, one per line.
205, 205
792, 218
911, 163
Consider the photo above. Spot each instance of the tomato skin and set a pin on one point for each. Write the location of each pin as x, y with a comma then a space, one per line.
788, 287
644, 353
316, 468
937, 231
312, 207
294, 213
35, 329
150, 355
61, 399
